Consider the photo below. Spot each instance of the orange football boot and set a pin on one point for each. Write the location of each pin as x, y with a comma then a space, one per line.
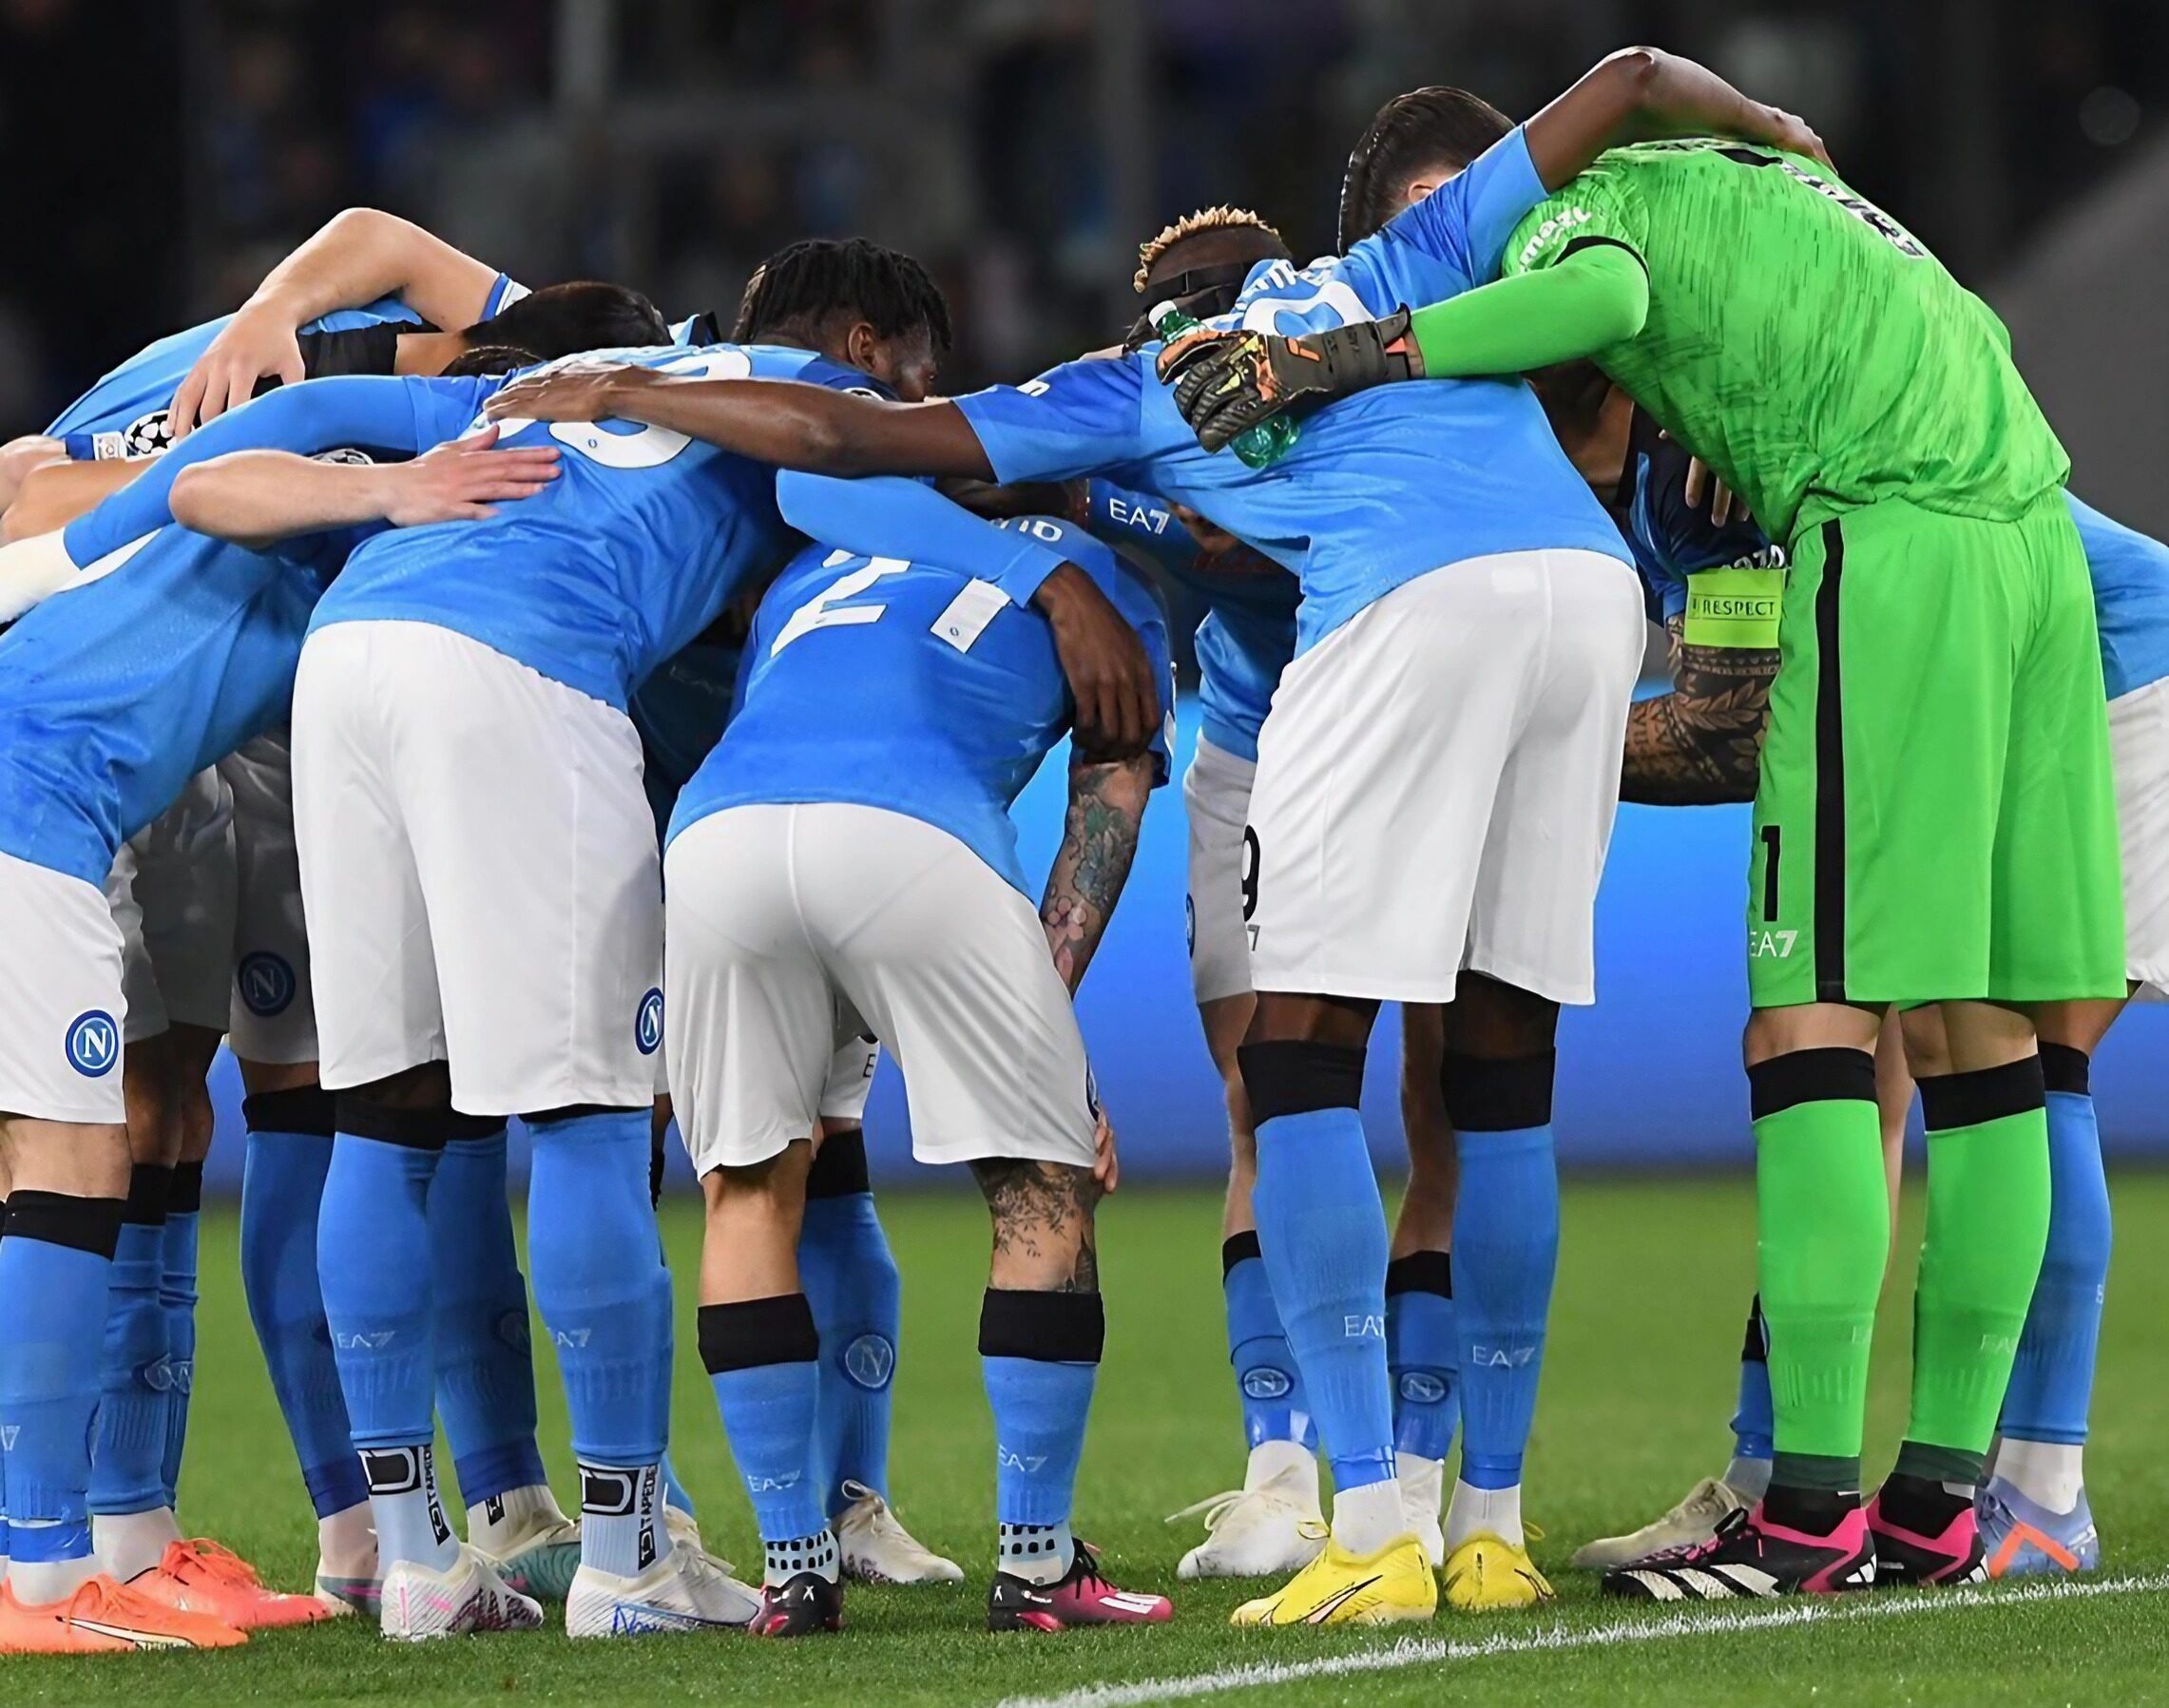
102, 1616
196, 1574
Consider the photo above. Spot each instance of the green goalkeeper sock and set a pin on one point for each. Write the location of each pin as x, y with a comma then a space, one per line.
1987, 1227
1823, 1211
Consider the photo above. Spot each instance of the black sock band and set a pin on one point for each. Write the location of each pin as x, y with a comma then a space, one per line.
1054, 1328
1810, 1076
1487, 1094
309, 1110
1297, 1077
1239, 1248
417, 1129
838, 1167
778, 1330
2064, 1068
84, 1225
1966, 1100
1421, 1272
150, 1186
187, 1195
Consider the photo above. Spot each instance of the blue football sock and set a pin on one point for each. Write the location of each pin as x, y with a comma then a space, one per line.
1322, 1230
56, 1272
282, 1192
763, 1357
1506, 1249
373, 1264
2052, 1381
1423, 1352
1267, 1382
1040, 1356
856, 1297
135, 1377
605, 1294
176, 1299
1755, 1424
485, 1371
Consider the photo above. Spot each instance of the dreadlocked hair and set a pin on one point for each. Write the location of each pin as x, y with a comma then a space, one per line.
1411, 133
1222, 217
807, 282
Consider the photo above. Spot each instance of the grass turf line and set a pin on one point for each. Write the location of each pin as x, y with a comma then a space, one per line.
1637, 1384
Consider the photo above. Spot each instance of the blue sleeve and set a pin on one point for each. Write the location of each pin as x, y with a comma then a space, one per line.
361, 411
890, 516
1121, 517
1466, 222
1080, 418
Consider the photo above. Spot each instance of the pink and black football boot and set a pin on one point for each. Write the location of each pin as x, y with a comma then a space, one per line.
1080, 1597
1752, 1557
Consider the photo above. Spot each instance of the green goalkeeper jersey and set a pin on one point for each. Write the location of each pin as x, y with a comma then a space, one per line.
1799, 340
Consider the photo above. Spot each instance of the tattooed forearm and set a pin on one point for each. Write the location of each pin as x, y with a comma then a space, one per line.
1099, 841
1043, 1238
1701, 743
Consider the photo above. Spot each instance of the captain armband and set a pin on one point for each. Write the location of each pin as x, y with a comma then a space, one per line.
1734, 608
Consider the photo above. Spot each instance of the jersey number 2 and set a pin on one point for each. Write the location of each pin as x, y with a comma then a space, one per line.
961, 624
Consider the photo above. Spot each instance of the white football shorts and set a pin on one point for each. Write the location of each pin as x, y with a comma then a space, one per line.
1438, 779
2139, 750
63, 1006
794, 929
1216, 791
479, 869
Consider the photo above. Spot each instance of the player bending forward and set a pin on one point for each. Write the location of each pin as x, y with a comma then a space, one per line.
1935, 821
844, 862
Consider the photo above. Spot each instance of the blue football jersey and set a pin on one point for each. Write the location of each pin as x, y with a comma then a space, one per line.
2130, 572
113, 693
123, 414
917, 687
644, 537
1249, 632
1379, 487
1670, 538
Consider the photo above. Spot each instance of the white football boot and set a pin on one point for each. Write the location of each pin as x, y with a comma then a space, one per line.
878, 1549
684, 1590
420, 1603
1270, 1527
1694, 1520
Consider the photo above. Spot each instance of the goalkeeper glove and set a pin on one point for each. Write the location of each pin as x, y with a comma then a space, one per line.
1226, 383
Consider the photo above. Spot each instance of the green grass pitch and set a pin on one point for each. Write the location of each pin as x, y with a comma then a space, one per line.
1654, 1280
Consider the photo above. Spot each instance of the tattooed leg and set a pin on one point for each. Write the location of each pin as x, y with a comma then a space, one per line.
1043, 1240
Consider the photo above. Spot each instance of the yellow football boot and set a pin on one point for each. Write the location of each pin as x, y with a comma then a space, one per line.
1487, 1574
1340, 1588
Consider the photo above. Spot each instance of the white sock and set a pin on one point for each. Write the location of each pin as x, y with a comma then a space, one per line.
514, 1513
783, 1561
1748, 1478
1271, 1460
37, 1583
1497, 1511
1037, 1553
1365, 1519
407, 1508
346, 1543
129, 1544
2047, 1472
620, 1519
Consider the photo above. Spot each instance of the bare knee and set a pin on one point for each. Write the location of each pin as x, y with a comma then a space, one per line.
1041, 1212
426, 1085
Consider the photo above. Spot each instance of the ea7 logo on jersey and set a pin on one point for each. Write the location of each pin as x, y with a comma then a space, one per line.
1770, 945
1558, 225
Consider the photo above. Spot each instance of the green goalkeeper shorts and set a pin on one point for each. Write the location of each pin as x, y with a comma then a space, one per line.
1936, 818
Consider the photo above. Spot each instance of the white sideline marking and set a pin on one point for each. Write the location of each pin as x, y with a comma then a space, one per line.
1423, 1651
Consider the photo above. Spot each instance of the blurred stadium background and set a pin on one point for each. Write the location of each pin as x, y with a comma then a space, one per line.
166, 152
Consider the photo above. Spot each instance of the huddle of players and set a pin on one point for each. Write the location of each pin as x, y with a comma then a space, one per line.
463, 691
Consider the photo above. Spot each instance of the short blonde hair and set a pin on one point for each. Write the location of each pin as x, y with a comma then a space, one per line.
1222, 217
